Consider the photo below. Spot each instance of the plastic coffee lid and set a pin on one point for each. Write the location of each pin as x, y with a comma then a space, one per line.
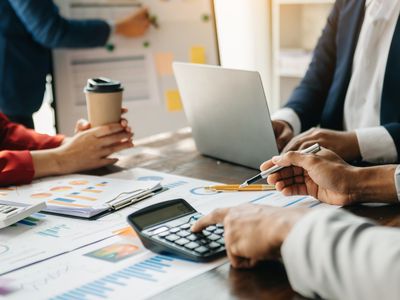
103, 85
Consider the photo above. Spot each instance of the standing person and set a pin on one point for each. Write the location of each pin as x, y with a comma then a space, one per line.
29, 29
351, 87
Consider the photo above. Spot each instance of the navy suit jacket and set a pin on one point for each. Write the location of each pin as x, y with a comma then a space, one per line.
319, 99
29, 29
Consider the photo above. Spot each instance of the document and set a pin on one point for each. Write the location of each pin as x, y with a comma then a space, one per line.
77, 195
117, 268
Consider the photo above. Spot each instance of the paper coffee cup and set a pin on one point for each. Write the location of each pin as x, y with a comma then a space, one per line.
103, 100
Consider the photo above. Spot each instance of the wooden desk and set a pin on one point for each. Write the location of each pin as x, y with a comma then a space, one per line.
175, 153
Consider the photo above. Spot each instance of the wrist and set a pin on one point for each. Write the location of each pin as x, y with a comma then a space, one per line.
375, 184
45, 163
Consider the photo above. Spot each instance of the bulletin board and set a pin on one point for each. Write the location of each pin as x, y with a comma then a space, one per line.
144, 66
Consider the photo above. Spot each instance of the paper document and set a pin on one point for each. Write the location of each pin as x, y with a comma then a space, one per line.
78, 195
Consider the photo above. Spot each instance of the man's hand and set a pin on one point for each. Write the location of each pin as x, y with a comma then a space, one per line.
135, 25
345, 144
252, 232
283, 133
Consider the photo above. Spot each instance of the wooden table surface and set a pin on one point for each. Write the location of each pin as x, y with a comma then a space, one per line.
176, 153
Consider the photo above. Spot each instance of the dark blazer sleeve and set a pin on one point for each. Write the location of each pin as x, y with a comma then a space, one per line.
43, 20
308, 99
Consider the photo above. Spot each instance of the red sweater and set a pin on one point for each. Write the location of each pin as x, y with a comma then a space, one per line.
16, 165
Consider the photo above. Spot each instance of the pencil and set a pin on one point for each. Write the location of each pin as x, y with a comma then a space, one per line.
236, 187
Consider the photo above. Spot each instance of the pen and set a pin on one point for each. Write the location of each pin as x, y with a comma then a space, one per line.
264, 174
236, 187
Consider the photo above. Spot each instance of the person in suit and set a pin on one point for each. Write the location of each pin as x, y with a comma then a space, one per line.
327, 253
26, 154
29, 29
351, 87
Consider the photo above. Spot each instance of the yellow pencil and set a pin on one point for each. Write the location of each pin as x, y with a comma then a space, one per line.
237, 188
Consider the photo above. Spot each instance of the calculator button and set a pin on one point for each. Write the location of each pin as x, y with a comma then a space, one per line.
192, 237
206, 233
219, 226
219, 231
221, 241
192, 245
159, 230
211, 228
185, 226
214, 237
172, 237
183, 233
174, 230
201, 250
181, 241
204, 241
214, 245
163, 234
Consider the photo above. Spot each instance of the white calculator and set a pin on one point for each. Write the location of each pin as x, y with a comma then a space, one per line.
12, 213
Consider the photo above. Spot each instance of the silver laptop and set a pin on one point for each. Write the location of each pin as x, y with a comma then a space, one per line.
228, 112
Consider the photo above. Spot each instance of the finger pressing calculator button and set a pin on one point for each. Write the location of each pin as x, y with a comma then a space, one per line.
211, 228
221, 241
214, 245
185, 226
172, 237
181, 241
213, 237
201, 250
183, 233
174, 230
192, 245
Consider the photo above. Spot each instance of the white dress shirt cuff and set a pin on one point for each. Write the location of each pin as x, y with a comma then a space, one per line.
376, 145
397, 181
288, 115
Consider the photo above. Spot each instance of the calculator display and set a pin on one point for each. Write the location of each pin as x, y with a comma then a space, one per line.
162, 215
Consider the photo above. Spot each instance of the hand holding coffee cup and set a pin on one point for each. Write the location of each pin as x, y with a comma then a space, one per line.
104, 101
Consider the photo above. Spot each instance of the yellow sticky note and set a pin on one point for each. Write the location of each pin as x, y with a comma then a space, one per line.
198, 55
164, 63
173, 100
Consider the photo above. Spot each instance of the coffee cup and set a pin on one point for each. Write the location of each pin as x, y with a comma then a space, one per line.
103, 100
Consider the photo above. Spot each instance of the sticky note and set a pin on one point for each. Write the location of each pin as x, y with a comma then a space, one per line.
164, 63
173, 100
198, 55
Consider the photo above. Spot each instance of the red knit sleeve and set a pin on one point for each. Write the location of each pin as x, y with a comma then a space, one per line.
16, 137
16, 167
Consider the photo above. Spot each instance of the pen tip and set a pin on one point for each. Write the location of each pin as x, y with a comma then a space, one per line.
243, 185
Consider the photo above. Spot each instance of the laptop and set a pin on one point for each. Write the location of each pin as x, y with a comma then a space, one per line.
228, 112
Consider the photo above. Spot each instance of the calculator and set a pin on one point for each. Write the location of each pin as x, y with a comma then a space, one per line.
165, 228
12, 213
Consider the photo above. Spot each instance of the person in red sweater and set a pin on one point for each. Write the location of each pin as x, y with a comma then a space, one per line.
26, 154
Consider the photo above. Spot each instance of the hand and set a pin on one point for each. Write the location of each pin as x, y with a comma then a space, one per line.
135, 25
345, 144
283, 133
86, 150
82, 124
252, 232
324, 176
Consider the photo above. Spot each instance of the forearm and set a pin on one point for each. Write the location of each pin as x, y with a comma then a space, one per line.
46, 163
374, 184
336, 255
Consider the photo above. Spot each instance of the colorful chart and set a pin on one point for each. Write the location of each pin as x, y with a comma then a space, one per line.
92, 189
102, 183
201, 191
150, 178
78, 196
103, 287
115, 252
78, 182
41, 195
32, 220
60, 188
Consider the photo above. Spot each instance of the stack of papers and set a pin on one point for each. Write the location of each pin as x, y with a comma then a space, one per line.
80, 195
